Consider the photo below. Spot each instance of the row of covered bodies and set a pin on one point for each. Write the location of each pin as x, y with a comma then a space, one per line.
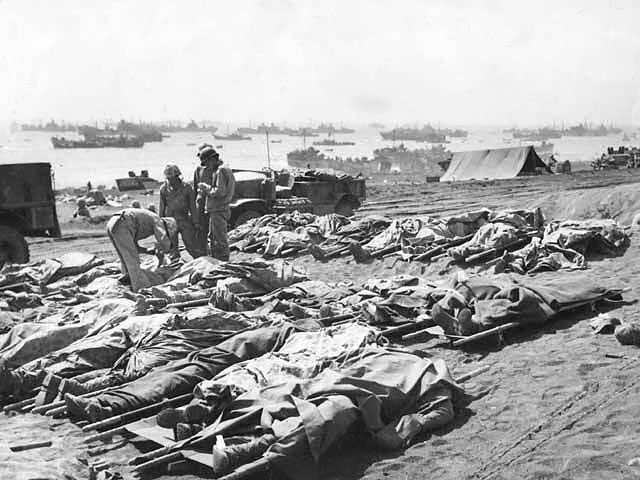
257, 351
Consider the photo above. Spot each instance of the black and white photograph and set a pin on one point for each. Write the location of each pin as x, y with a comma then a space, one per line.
319, 239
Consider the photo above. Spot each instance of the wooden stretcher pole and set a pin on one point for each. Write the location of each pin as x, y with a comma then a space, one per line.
336, 318
472, 373
383, 251
125, 417
105, 434
404, 329
171, 457
442, 248
56, 411
485, 333
19, 405
159, 452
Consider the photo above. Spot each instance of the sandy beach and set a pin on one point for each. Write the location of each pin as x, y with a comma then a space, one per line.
557, 402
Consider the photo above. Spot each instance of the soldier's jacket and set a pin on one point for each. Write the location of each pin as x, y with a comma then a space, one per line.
223, 187
178, 203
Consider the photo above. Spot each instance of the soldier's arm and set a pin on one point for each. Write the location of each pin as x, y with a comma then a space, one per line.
222, 185
161, 234
163, 204
191, 199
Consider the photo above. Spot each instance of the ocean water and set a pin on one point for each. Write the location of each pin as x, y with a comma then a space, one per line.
73, 168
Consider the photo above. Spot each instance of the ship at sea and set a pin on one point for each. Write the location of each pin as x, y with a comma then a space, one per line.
115, 141
329, 129
330, 142
192, 126
425, 134
583, 130
300, 132
50, 126
147, 132
535, 135
263, 128
232, 137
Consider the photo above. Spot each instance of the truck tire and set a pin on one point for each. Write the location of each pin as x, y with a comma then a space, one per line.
244, 216
346, 206
13, 246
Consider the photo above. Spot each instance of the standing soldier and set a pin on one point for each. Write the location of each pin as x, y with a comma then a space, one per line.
218, 194
203, 174
177, 200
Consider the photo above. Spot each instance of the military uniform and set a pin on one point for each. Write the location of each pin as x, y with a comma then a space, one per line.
180, 203
218, 207
128, 227
203, 174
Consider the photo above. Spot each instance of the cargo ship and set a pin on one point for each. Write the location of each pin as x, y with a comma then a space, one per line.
120, 141
330, 129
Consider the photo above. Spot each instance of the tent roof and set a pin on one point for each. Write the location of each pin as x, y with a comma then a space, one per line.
495, 164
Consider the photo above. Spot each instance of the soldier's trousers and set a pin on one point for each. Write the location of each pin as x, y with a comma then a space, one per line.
218, 234
190, 237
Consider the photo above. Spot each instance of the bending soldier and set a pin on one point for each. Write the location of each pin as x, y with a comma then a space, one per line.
126, 228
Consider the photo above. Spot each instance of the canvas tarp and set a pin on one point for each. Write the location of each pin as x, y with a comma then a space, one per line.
494, 164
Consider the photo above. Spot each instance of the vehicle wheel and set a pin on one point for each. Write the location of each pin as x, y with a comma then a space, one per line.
345, 207
245, 216
13, 246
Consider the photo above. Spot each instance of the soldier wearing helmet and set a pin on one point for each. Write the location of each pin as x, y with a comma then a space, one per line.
177, 200
82, 210
215, 185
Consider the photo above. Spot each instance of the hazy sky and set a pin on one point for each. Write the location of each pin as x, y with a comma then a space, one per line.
448, 62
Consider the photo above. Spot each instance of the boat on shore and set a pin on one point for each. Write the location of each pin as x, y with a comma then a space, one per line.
137, 182
433, 161
120, 141
231, 137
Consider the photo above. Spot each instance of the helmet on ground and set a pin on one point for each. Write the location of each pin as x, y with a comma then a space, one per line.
172, 170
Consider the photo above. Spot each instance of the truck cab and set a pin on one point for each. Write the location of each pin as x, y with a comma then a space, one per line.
27, 208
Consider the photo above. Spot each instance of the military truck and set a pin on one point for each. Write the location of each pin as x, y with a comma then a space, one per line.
27, 208
280, 192
615, 158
